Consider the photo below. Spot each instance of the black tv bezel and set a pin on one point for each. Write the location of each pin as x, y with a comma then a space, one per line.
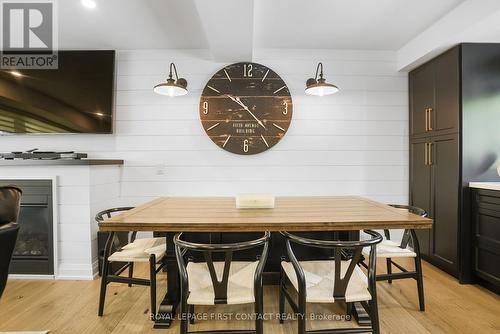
113, 102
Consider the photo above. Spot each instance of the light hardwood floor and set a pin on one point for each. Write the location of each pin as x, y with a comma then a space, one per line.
71, 307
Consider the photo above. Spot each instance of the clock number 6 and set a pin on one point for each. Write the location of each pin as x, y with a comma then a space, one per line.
247, 70
205, 107
245, 145
285, 112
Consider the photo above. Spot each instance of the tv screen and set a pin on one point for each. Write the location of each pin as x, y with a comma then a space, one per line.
75, 98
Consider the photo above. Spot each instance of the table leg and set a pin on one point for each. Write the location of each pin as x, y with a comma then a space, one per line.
166, 312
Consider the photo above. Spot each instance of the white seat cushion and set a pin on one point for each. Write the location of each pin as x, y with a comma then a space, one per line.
240, 289
140, 250
320, 278
389, 248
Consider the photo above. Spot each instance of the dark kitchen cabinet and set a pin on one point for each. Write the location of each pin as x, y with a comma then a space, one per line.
422, 99
444, 117
420, 191
453, 130
434, 171
434, 96
443, 162
486, 238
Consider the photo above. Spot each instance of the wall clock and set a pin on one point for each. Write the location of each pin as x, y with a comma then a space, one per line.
246, 108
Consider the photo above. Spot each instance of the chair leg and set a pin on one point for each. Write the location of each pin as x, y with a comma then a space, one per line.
184, 313
259, 311
152, 273
374, 315
104, 284
302, 313
191, 314
130, 272
389, 268
282, 298
349, 309
420, 283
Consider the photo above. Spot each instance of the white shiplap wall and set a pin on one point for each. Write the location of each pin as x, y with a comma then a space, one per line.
354, 142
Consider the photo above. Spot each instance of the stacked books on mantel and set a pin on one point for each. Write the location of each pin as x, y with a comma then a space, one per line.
255, 201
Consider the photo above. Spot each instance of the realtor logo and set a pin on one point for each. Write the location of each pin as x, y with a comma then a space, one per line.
28, 34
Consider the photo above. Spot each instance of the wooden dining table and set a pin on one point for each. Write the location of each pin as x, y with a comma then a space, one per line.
219, 214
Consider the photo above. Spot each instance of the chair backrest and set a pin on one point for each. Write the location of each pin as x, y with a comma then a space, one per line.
10, 199
116, 240
342, 250
8, 236
408, 235
220, 285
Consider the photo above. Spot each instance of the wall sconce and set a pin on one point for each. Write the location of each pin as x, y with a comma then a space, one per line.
319, 86
172, 87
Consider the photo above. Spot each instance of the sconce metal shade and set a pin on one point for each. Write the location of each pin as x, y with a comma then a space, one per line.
172, 87
318, 86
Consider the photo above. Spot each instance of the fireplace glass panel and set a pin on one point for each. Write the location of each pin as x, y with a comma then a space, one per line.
34, 250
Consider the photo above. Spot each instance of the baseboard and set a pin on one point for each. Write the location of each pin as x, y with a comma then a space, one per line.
28, 277
70, 271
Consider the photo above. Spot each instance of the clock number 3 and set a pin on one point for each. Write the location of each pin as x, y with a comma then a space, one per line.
285, 112
245, 145
205, 107
247, 70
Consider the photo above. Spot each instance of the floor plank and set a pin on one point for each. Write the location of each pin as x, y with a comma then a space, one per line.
71, 307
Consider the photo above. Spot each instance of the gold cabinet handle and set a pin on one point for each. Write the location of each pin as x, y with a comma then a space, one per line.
426, 121
429, 122
429, 160
426, 154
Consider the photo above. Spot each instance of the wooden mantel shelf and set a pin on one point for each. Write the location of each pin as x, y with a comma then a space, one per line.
61, 162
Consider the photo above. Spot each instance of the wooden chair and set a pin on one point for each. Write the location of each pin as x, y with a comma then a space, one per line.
389, 249
123, 247
241, 281
330, 281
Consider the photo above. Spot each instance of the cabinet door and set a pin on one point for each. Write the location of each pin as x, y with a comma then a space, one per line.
421, 98
420, 187
444, 118
445, 191
486, 220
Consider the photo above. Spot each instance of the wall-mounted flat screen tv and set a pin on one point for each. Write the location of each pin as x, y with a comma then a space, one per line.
75, 98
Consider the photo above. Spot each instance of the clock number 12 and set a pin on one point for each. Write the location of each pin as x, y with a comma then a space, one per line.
247, 70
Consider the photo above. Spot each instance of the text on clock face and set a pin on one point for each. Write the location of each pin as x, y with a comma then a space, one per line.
246, 108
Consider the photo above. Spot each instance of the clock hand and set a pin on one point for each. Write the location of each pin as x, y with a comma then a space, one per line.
237, 100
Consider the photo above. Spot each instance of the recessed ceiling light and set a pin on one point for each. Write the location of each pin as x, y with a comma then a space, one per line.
91, 4
16, 73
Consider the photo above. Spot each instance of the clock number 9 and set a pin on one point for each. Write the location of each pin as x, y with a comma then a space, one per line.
245, 145
285, 112
205, 107
247, 70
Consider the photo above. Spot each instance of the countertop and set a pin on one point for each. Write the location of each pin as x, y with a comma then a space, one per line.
61, 162
485, 185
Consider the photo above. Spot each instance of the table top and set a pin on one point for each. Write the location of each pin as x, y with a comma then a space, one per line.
485, 185
219, 214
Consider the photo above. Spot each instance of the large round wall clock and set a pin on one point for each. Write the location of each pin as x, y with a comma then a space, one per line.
246, 108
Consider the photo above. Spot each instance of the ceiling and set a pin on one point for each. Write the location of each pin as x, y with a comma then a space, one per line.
232, 29
298, 24
344, 24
